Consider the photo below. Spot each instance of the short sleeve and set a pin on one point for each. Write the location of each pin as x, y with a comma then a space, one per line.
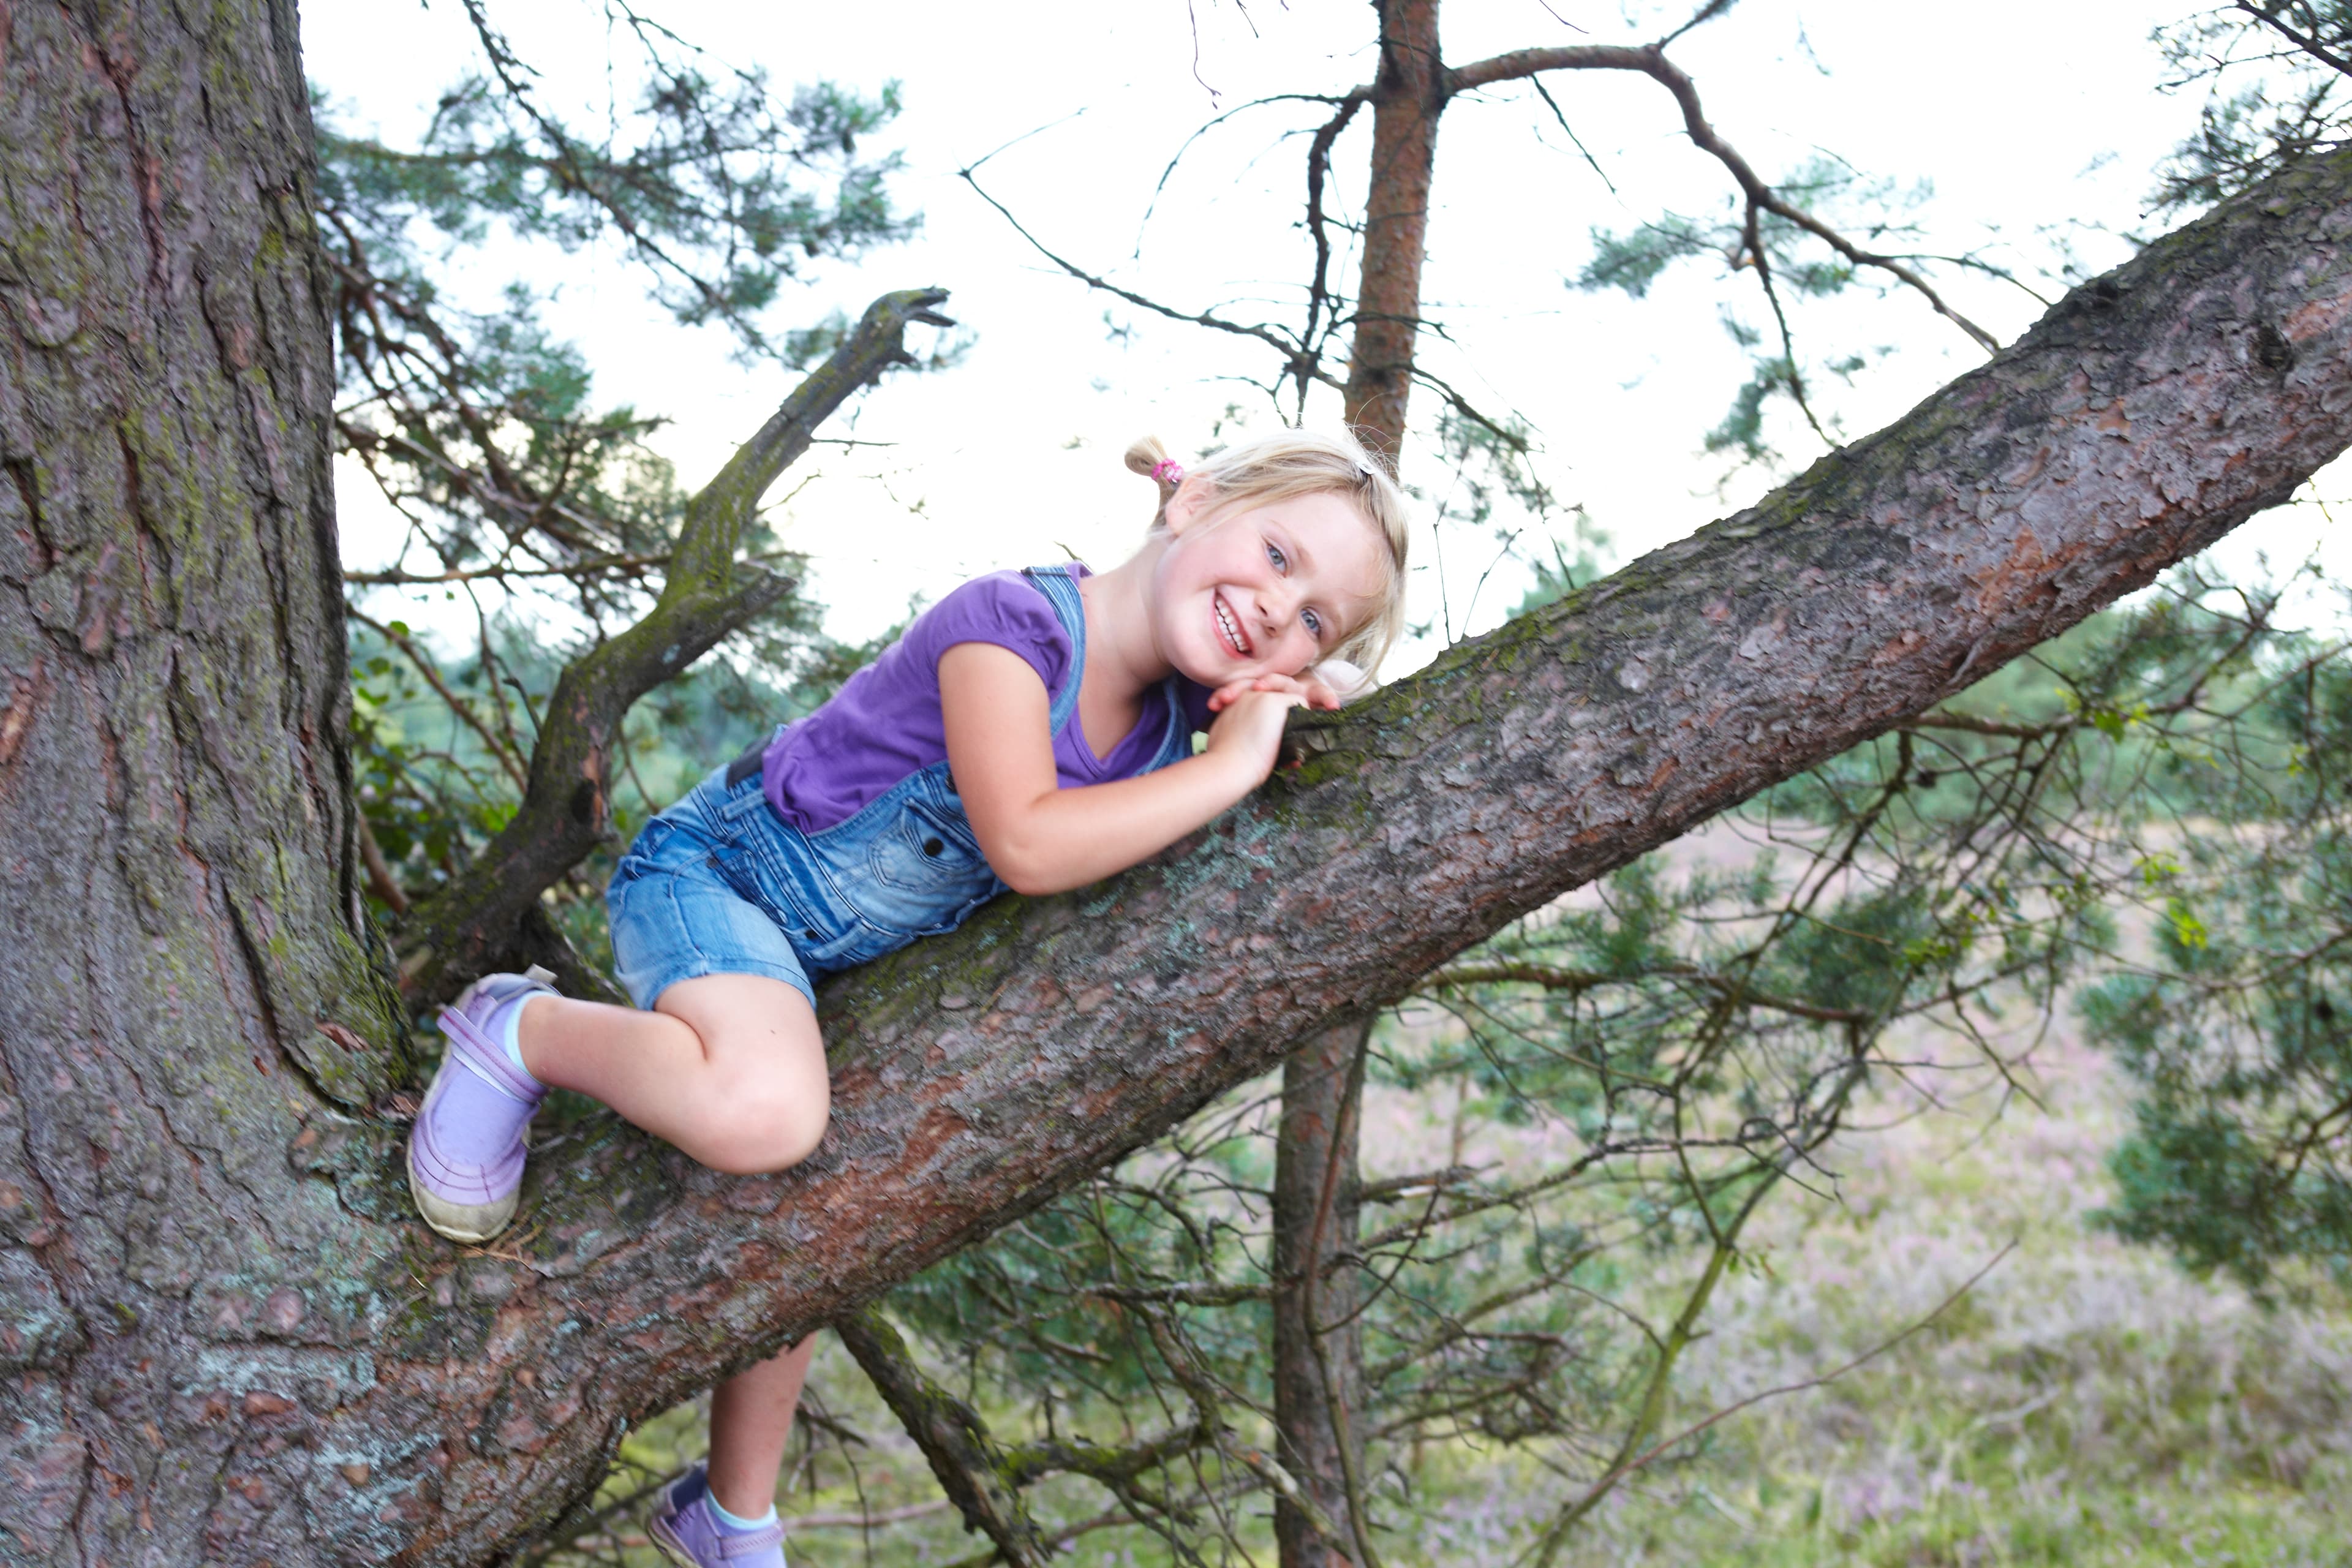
1003, 608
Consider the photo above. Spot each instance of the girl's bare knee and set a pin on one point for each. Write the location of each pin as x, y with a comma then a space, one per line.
797, 1136
759, 1134
763, 1102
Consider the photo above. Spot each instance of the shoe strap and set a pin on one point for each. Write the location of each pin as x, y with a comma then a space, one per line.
765, 1539
487, 1057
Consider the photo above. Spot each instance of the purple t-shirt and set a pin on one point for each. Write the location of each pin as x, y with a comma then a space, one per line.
884, 723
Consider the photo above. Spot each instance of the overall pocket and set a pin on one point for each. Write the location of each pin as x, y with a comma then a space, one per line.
766, 862
752, 875
907, 863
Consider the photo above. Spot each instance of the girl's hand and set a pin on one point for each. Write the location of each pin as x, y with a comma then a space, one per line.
1042, 839
1248, 726
1310, 691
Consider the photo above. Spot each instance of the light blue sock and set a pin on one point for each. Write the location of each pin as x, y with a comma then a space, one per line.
511, 1033
738, 1525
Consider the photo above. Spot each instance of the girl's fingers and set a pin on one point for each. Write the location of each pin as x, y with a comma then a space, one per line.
1302, 693
1225, 696
1310, 692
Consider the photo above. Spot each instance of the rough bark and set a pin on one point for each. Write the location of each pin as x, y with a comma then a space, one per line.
1318, 1347
490, 917
1408, 96
225, 1338
188, 962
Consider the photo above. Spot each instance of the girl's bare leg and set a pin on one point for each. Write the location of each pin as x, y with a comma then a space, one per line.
751, 1422
729, 1068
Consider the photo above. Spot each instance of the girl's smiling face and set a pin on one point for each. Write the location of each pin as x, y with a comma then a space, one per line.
1261, 589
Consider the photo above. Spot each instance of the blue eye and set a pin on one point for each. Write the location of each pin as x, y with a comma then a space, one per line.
1314, 624
1273, 554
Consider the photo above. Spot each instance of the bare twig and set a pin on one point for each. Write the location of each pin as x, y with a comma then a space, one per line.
1294, 356
1650, 61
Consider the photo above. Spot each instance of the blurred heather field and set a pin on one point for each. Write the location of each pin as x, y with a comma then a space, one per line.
2086, 1402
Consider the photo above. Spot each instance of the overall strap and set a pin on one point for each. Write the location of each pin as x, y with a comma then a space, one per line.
1061, 591
1177, 744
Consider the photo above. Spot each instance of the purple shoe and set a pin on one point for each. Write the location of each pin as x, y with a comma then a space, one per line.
466, 1151
690, 1535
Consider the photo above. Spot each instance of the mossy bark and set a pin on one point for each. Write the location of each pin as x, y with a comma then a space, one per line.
972, 1468
227, 1341
191, 985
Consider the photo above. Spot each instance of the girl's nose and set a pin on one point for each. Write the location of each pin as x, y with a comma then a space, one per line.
1276, 608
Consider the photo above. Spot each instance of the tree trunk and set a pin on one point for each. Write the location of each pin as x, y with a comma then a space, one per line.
189, 967
1318, 1382
226, 1337
1319, 1350
1408, 96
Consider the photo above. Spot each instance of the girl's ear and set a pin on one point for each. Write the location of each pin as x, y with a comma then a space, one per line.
1187, 505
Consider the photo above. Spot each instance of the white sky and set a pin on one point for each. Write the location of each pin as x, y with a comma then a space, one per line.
2037, 124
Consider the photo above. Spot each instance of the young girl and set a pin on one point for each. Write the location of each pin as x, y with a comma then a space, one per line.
1032, 730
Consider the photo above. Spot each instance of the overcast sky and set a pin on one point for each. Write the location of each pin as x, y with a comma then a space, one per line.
2029, 128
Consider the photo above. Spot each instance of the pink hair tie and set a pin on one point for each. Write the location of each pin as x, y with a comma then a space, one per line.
1167, 471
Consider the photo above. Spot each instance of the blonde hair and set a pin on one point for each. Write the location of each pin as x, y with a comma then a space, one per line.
1296, 463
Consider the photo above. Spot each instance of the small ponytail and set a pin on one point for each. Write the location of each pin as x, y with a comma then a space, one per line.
1150, 458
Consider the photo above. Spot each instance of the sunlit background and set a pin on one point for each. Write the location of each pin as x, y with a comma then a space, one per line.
1132, 143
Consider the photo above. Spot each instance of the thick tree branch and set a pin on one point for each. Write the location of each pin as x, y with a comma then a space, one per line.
476, 923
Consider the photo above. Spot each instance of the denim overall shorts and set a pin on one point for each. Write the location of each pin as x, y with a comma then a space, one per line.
719, 884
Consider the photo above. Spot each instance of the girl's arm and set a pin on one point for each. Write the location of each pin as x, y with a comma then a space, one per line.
1042, 838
